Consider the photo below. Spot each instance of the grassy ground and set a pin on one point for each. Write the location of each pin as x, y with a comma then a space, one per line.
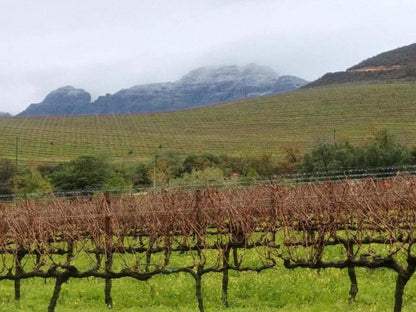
272, 290
252, 126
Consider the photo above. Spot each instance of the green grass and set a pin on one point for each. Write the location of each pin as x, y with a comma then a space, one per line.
248, 127
273, 290
277, 289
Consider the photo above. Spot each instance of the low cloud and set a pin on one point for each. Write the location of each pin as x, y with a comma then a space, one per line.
103, 46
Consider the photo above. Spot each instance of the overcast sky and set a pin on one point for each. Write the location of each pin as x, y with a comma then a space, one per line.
106, 45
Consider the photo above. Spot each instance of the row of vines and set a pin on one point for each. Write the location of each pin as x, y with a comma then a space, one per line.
370, 223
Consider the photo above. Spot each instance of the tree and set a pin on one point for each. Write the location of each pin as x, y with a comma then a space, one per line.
199, 162
205, 177
32, 183
83, 173
380, 151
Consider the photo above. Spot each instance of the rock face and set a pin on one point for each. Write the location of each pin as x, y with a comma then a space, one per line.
200, 87
63, 101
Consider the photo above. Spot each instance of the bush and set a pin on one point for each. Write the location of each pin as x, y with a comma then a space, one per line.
380, 151
206, 177
32, 183
83, 173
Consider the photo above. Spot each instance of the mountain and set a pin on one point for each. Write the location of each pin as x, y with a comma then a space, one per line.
63, 101
200, 87
4, 114
395, 65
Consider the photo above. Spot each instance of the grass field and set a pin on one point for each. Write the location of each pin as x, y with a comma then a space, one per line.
272, 290
255, 126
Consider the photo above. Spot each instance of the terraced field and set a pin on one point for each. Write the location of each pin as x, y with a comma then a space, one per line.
248, 127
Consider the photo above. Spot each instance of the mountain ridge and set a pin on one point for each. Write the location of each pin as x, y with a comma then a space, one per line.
199, 87
390, 66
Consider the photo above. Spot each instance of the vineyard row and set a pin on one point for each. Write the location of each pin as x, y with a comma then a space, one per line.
367, 223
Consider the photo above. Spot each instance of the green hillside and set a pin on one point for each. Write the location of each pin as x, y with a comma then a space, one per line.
249, 127
398, 65
404, 56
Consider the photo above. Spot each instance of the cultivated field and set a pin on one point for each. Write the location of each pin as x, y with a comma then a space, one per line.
255, 126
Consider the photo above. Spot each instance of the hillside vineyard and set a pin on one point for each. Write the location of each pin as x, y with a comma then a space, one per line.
250, 127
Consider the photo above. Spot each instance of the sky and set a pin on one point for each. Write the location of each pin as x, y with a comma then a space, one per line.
103, 46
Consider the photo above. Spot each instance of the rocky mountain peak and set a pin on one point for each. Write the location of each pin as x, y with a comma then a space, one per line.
250, 73
67, 93
62, 101
200, 87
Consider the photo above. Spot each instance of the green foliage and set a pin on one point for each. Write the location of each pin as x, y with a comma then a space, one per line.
380, 151
205, 177
292, 159
232, 164
32, 183
251, 176
98, 173
199, 162
263, 165
328, 156
83, 173
172, 163
136, 174
117, 183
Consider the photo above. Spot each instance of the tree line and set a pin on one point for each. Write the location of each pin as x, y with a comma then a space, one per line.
98, 172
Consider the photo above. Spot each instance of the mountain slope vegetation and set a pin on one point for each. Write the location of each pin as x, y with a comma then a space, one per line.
398, 65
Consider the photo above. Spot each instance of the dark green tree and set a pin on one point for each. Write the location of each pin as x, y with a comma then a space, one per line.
82, 173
